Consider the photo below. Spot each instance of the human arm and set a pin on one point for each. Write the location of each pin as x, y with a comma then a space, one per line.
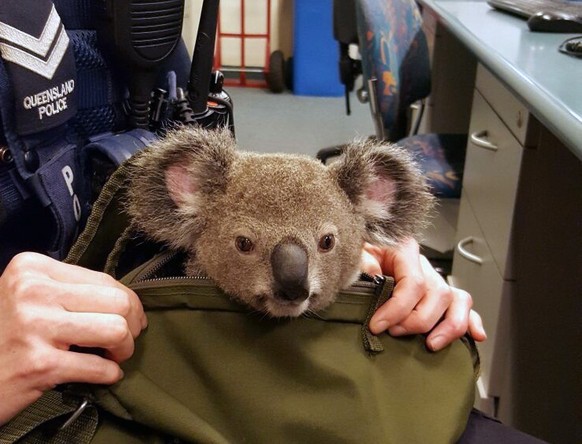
421, 299
45, 308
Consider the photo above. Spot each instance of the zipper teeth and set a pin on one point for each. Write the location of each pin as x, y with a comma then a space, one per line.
364, 284
360, 285
174, 278
157, 267
161, 264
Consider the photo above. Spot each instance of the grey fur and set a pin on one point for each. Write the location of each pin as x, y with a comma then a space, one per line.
194, 191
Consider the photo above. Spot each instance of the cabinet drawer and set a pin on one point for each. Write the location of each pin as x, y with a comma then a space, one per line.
475, 271
490, 180
510, 110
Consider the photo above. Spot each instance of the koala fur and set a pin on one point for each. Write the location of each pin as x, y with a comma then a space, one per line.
281, 233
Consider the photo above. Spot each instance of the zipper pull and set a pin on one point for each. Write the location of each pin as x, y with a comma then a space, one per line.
383, 291
367, 277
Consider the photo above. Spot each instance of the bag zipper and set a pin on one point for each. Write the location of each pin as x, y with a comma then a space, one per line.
157, 264
378, 287
366, 284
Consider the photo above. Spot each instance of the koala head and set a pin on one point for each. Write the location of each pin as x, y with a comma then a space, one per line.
281, 233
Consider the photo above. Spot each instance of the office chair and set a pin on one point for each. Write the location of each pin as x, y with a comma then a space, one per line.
396, 69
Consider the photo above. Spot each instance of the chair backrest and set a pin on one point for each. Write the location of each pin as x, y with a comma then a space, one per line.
394, 51
344, 21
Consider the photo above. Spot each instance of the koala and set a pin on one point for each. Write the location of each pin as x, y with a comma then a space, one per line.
281, 233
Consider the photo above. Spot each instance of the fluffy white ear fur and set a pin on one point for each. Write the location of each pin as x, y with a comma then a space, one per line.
170, 180
180, 184
386, 188
380, 196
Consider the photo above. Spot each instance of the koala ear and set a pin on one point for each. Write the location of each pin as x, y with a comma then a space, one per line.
180, 183
386, 188
172, 181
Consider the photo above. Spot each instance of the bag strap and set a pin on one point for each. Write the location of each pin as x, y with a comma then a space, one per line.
47, 417
107, 244
105, 225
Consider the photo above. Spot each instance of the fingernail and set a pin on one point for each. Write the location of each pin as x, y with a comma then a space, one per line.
436, 343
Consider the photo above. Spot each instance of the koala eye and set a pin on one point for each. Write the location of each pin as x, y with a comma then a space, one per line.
327, 242
244, 244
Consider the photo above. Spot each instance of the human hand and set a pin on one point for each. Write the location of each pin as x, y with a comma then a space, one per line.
421, 298
46, 307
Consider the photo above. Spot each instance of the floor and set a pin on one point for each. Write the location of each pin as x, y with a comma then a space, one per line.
268, 122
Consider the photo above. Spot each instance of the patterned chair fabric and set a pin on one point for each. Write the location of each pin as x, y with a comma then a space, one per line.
442, 158
395, 52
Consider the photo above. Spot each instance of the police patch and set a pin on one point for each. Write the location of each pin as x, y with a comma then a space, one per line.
35, 48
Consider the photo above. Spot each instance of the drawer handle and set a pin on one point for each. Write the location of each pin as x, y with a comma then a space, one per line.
480, 139
463, 252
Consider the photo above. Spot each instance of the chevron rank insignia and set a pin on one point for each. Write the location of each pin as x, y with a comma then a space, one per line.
36, 52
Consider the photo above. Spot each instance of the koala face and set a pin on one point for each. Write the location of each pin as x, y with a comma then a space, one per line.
263, 244
281, 233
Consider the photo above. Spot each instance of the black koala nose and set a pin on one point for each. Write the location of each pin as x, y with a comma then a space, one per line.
290, 265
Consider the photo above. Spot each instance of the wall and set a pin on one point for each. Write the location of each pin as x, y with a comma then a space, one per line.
255, 22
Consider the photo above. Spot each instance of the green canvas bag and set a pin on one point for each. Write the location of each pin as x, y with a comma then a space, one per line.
208, 370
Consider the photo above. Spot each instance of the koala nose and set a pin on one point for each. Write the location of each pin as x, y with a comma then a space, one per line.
289, 263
